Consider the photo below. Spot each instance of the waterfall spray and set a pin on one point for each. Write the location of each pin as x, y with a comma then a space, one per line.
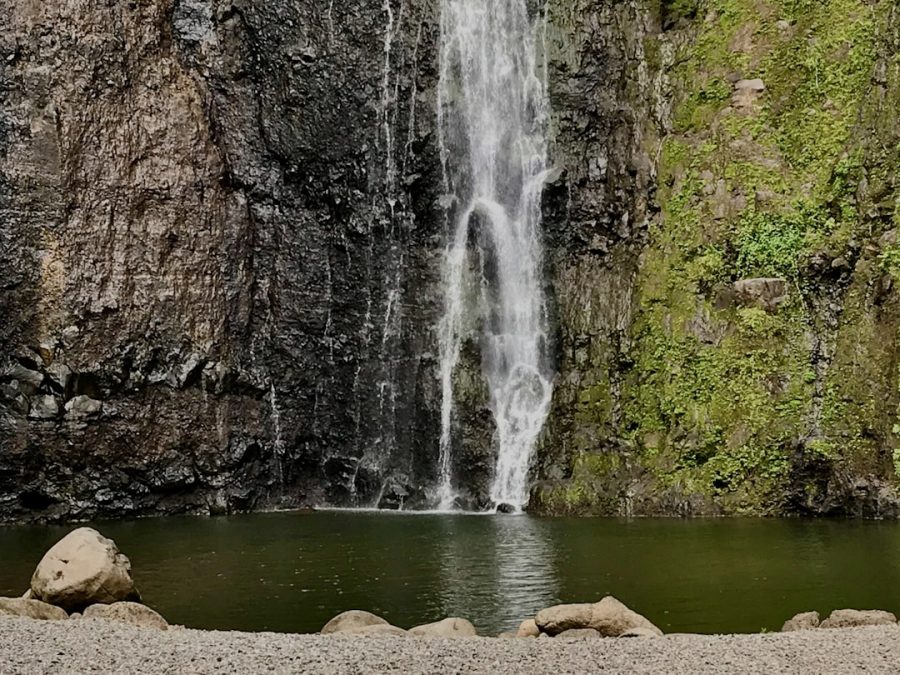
493, 112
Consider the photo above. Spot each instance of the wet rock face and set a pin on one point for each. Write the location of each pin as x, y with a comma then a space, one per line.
220, 244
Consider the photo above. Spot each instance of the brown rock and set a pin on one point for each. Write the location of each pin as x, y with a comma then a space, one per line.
83, 568
31, 609
609, 617
850, 618
765, 293
803, 621
528, 628
559, 618
353, 620
451, 627
127, 612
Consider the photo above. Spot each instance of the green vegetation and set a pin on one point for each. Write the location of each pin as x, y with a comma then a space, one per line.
723, 400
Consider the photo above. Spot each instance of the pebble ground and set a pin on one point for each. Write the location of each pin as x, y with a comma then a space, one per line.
98, 646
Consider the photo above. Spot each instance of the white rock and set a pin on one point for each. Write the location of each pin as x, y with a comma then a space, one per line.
81, 569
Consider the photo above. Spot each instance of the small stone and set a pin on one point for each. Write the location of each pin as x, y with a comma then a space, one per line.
43, 408
746, 92
83, 406
802, 621
765, 293
70, 336
59, 375
528, 628
29, 380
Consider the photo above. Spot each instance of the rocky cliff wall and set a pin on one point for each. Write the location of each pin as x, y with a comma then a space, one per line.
219, 238
220, 241
757, 373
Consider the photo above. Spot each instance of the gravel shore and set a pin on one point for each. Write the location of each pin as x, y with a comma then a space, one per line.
98, 646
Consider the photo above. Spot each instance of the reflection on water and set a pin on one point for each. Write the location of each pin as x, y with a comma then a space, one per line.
496, 572
294, 571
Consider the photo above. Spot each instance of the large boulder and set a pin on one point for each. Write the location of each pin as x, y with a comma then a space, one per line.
353, 620
32, 609
849, 618
452, 627
127, 612
803, 621
83, 568
609, 617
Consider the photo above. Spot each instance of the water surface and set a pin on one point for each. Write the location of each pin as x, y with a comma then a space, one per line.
294, 571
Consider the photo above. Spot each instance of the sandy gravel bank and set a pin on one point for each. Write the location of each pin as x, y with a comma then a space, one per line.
28, 646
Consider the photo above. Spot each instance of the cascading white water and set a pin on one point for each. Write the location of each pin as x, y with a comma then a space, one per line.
493, 113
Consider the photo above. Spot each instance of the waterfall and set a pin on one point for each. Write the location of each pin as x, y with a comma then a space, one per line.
493, 113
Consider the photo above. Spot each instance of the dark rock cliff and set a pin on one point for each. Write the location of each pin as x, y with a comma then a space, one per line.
221, 232
220, 245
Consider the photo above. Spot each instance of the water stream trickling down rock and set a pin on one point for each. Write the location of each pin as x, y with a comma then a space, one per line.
493, 111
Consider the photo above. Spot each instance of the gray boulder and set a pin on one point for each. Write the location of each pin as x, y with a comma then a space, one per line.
127, 612
81, 569
353, 620
451, 627
850, 618
31, 609
803, 621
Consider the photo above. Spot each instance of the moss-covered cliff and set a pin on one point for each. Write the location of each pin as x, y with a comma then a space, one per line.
758, 370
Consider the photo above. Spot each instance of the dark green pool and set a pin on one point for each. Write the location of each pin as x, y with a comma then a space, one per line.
293, 571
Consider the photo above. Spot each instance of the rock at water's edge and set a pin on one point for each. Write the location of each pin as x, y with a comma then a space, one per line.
352, 620
528, 628
128, 612
849, 618
609, 617
802, 621
31, 609
450, 627
83, 568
